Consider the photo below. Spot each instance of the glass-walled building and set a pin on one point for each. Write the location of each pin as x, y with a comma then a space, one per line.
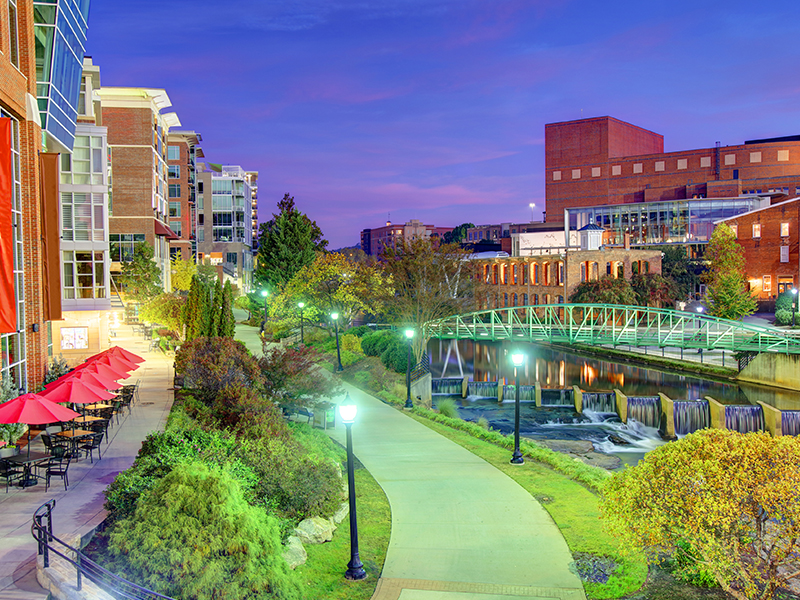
653, 223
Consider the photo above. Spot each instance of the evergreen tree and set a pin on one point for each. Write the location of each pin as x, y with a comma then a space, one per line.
207, 312
728, 297
192, 310
286, 244
215, 310
227, 322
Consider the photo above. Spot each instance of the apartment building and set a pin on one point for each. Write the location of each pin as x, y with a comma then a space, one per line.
183, 150
373, 241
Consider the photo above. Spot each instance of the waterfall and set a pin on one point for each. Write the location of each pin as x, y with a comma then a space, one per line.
790, 422
744, 419
484, 389
601, 402
646, 410
558, 397
527, 393
691, 416
449, 387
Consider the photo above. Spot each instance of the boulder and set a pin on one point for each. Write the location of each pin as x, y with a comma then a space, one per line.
315, 530
598, 459
294, 553
568, 446
341, 514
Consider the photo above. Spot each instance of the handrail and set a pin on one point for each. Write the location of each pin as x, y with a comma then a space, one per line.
114, 585
422, 368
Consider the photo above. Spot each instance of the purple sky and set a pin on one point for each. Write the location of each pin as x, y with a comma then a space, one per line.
435, 109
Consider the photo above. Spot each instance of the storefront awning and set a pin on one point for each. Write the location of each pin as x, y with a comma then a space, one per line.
162, 229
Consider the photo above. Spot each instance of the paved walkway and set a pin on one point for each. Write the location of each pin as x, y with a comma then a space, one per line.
461, 529
81, 507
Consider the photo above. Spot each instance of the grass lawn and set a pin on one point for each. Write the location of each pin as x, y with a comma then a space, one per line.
571, 505
323, 573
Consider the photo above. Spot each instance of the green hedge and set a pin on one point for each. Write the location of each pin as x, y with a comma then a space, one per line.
373, 344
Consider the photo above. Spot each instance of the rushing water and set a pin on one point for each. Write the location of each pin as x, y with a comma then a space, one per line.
744, 419
645, 410
790, 419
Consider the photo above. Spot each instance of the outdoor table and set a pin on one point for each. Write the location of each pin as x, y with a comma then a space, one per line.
87, 419
75, 433
98, 406
27, 461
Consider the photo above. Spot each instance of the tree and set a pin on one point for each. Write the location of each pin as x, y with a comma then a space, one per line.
731, 498
227, 322
193, 310
677, 266
182, 273
728, 297
293, 373
141, 276
167, 310
431, 281
458, 235
606, 290
652, 289
215, 310
332, 283
286, 244
210, 364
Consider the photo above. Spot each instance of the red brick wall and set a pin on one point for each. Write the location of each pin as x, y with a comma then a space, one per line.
763, 255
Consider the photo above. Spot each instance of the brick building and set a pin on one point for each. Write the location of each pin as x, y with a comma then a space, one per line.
605, 161
137, 143
771, 245
183, 150
373, 241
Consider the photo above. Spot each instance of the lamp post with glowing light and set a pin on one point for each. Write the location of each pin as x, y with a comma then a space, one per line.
794, 303
409, 337
347, 412
335, 317
301, 306
264, 293
700, 330
532, 205
517, 358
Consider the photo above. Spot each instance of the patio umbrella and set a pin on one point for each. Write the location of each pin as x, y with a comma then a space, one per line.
77, 391
114, 361
106, 371
94, 378
34, 409
126, 354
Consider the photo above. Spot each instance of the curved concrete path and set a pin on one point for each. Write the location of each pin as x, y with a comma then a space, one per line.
461, 529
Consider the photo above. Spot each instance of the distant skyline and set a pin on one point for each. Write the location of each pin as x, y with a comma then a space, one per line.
435, 109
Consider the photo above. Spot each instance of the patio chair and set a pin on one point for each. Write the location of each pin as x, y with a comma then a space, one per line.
10, 472
92, 445
58, 468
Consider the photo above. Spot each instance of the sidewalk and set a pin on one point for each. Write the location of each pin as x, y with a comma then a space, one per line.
461, 529
81, 507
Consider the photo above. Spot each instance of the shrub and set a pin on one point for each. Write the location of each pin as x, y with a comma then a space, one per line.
351, 343
292, 372
783, 317
483, 423
165, 309
194, 536
360, 331
350, 358
784, 301
210, 364
448, 408
395, 356
56, 368
373, 344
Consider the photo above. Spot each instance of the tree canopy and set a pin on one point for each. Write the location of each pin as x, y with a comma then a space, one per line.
730, 498
182, 273
459, 234
606, 290
140, 275
728, 297
678, 267
654, 290
286, 244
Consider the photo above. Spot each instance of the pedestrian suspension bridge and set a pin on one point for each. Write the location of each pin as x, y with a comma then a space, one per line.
613, 325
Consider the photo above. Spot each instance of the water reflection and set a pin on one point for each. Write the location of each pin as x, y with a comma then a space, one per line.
486, 361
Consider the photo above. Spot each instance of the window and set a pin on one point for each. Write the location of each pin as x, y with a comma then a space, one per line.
556, 175
201, 219
174, 209
682, 164
659, 165
766, 283
122, 245
637, 167
705, 162
756, 230
82, 217
616, 170
174, 190
783, 155
74, 338
524, 299
12, 32
595, 171
784, 229
175, 226
86, 164
730, 159
84, 275
755, 157
173, 152
525, 275
784, 254
174, 171
201, 235
230, 257
576, 173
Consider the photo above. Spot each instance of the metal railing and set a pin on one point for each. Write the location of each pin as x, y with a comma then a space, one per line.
422, 368
114, 585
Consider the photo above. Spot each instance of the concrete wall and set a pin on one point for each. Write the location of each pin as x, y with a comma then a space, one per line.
773, 369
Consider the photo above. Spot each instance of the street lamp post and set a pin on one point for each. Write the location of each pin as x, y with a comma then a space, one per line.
794, 303
532, 206
347, 412
335, 317
517, 358
301, 306
409, 337
264, 293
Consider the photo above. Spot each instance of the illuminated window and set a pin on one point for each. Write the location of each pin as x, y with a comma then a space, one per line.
766, 284
784, 229
74, 338
756, 230
784, 254
735, 230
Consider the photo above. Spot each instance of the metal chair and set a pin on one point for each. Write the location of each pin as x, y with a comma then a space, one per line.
92, 445
10, 472
58, 468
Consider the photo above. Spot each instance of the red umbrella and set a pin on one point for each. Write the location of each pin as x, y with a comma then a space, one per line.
34, 409
114, 361
126, 354
106, 371
94, 378
77, 391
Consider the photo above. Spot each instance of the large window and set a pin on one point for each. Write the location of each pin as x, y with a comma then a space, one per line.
122, 245
13, 42
84, 275
173, 152
174, 190
175, 226
174, 171
174, 209
74, 338
230, 257
82, 217
86, 163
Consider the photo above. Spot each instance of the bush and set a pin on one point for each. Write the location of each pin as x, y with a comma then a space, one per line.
483, 423
373, 344
784, 301
351, 343
194, 536
395, 356
210, 364
448, 408
783, 317
56, 368
360, 331
350, 358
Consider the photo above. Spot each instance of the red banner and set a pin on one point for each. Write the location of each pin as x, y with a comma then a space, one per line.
8, 305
